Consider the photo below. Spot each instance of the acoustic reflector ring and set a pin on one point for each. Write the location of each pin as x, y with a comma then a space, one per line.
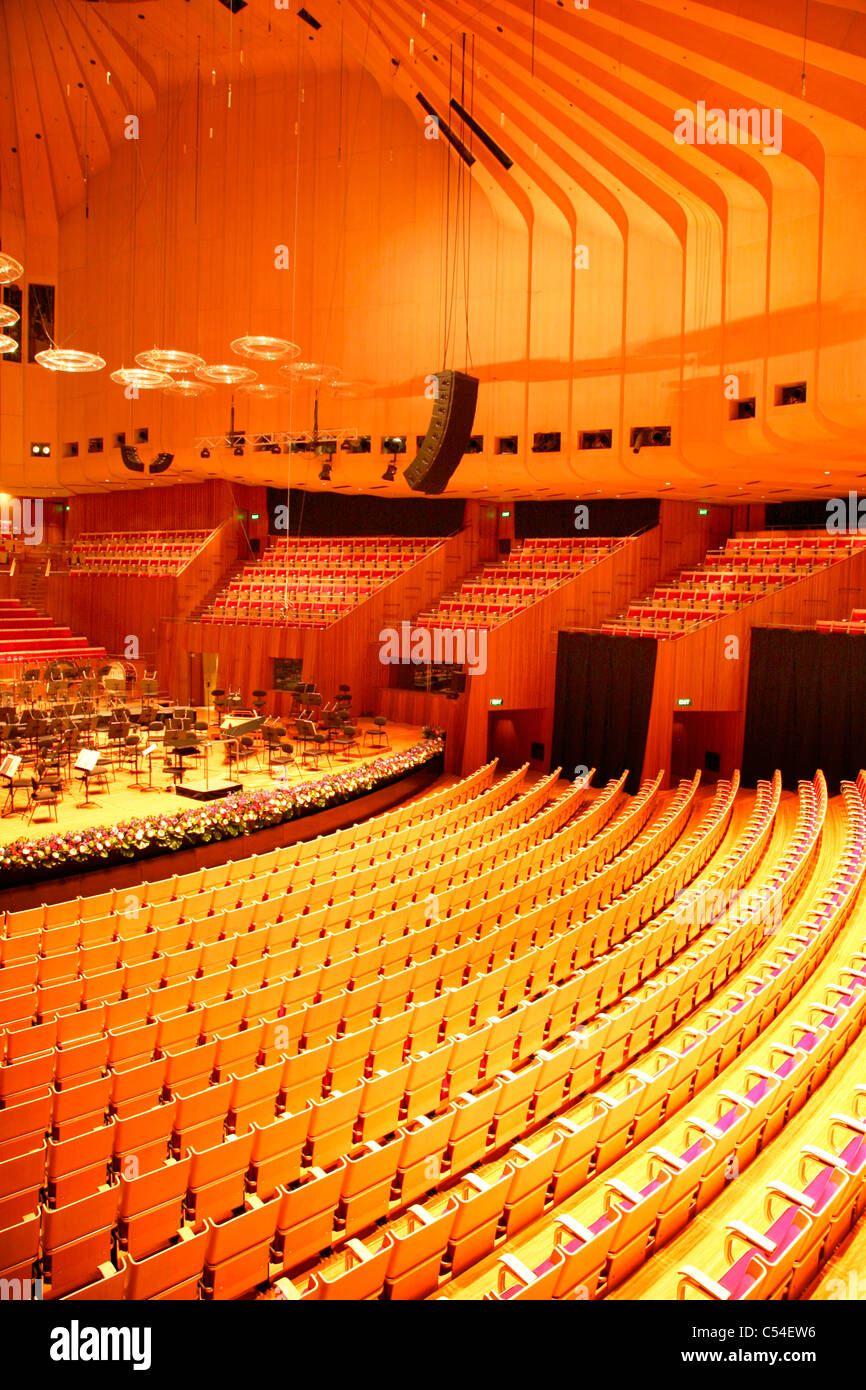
188, 387
263, 390
226, 374
142, 378
7, 344
350, 388
10, 269
311, 371
8, 316
169, 360
264, 349
68, 360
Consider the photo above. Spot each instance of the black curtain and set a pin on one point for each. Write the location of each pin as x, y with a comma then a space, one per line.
607, 517
329, 514
806, 706
604, 690
779, 516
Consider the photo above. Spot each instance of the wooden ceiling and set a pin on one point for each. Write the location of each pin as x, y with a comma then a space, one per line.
705, 260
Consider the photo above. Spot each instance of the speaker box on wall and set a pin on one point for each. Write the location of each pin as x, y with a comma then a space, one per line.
448, 435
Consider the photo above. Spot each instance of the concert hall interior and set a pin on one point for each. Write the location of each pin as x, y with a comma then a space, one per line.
432, 651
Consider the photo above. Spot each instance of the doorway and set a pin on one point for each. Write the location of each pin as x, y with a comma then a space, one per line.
704, 739
516, 736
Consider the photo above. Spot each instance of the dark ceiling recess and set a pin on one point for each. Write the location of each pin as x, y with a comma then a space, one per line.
495, 150
234, 5
309, 19
596, 439
446, 130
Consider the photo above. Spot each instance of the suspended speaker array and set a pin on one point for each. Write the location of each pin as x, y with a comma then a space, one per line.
133, 461
448, 435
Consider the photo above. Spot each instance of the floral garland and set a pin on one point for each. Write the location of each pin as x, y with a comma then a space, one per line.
25, 861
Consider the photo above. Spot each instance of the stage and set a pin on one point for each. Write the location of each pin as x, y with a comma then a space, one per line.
124, 800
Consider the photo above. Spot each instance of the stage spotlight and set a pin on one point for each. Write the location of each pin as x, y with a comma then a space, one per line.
205, 453
658, 437
390, 473
238, 451
275, 448
325, 473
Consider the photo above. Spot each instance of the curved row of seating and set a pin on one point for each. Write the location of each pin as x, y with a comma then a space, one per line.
816, 1216
567, 1069
261, 1095
121, 1094
77, 1065
589, 1258
465, 802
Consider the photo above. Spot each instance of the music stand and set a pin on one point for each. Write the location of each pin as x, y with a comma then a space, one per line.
85, 763
8, 769
148, 753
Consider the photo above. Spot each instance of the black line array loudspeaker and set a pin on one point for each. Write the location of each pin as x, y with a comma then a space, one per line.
131, 458
448, 435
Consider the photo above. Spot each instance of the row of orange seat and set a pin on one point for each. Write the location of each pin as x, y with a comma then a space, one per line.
312, 581
507, 1194
118, 1070
341, 1081
532, 569
145, 554
746, 569
591, 1258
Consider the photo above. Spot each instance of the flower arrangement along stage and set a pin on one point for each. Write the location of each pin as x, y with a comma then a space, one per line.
28, 861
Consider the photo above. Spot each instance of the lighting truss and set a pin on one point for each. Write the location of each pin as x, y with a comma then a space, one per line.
281, 437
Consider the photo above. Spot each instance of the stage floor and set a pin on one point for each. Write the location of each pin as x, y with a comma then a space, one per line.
125, 801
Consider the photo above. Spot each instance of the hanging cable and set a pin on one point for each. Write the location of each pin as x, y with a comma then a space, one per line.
449, 292
340, 108
350, 161
294, 308
803, 73
165, 232
467, 240
197, 129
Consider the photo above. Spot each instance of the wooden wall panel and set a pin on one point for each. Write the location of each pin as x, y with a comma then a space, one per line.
686, 536
207, 569
417, 707
109, 610
164, 506
245, 656
694, 268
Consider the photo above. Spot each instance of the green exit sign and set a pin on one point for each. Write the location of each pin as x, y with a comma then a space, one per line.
496, 703
681, 701
254, 516
505, 515
703, 511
